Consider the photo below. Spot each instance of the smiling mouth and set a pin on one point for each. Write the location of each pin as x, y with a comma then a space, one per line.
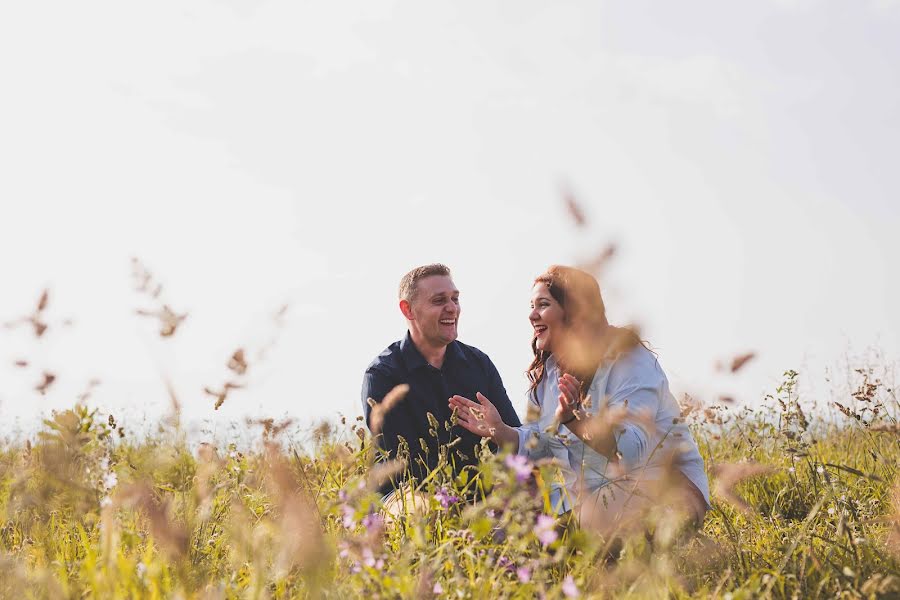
539, 329
448, 321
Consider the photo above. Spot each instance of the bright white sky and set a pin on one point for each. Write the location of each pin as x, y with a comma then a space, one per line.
742, 155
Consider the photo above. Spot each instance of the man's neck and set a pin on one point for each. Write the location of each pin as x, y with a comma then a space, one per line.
433, 355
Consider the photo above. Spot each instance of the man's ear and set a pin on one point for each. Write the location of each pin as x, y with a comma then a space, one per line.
406, 309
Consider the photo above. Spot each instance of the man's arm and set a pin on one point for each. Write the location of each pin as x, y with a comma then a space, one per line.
498, 396
376, 384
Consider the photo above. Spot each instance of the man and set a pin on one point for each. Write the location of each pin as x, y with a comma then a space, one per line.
435, 366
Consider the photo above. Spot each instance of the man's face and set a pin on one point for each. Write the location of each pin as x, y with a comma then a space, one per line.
435, 310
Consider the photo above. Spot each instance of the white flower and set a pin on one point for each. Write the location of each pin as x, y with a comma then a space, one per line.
105, 501
820, 469
141, 569
110, 480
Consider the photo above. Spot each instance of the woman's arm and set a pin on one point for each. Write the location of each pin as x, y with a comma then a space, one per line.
594, 430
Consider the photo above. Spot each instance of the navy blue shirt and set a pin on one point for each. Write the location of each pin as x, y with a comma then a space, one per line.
466, 370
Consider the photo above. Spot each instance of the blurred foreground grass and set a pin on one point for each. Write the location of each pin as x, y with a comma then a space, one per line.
806, 505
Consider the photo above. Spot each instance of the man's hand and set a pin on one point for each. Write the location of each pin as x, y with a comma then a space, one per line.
483, 419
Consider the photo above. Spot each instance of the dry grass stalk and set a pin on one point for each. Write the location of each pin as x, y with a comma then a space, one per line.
169, 320
208, 463
222, 394
271, 427
380, 409
35, 319
893, 537
739, 361
573, 207
300, 533
171, 537
597, 263
47, 379
237, 362
886, 428
383, 472
729, 475
604, 423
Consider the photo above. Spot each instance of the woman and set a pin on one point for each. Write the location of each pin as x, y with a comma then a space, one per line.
605, 413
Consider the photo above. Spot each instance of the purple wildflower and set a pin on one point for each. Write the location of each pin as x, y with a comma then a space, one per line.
349, 516
524, 574
437, 589
446, 498
545, 529
370, 561
505, 563
569, 588
520, 465
372, 521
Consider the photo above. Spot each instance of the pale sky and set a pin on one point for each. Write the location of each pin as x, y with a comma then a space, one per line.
743, 157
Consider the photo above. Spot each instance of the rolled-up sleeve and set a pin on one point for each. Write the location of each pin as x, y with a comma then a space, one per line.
640, 388
533, 443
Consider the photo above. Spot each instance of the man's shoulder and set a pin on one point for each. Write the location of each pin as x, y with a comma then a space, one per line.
471, 352
387, 361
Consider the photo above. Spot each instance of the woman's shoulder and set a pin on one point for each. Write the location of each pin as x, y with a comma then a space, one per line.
636, 366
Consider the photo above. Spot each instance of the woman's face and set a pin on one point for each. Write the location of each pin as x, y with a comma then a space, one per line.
546, 317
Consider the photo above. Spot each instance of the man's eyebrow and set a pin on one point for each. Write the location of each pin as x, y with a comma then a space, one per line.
442, 294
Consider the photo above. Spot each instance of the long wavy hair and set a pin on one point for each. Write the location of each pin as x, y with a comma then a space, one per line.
587, 338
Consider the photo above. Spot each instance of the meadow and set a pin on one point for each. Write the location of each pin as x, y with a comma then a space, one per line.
806, 504
803, 508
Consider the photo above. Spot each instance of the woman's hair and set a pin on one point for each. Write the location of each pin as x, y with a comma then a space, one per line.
587, 338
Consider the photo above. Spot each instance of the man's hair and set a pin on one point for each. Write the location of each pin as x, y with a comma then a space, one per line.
410, 281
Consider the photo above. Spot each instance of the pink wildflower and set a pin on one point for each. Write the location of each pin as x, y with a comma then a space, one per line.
520, 465
372, 520
349, 516
524, 574
569, 588
545, 529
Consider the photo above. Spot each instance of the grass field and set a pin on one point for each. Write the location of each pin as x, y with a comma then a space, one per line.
804, 507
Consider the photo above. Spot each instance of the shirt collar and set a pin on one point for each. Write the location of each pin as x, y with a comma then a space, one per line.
414, 358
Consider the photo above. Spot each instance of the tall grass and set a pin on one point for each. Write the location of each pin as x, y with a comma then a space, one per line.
806, 505
803, 508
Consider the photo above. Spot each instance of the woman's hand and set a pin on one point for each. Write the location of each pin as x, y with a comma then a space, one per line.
483, 419
569, 398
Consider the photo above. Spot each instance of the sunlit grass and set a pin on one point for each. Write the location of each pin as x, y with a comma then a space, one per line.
804, 507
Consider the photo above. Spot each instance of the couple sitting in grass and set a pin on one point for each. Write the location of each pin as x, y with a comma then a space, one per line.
603, 407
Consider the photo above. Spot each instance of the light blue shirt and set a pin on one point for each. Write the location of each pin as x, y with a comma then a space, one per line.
651, 431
